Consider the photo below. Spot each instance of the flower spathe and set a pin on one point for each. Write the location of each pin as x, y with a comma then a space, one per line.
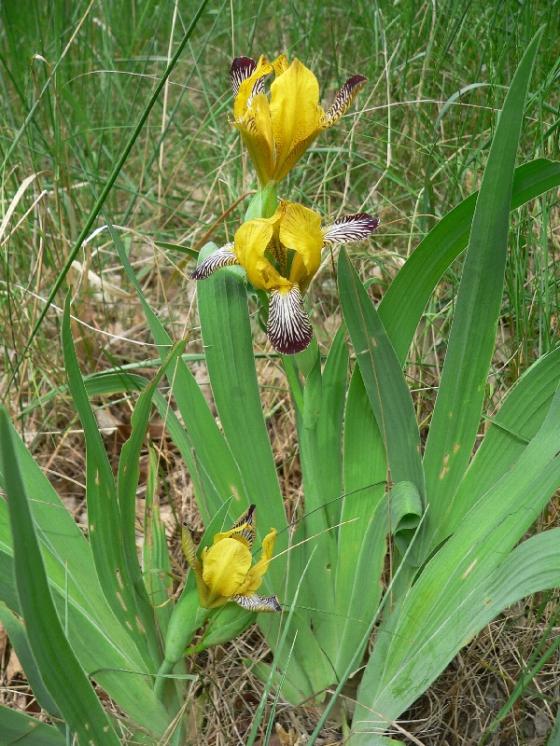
225, 572
280, 255
277, 129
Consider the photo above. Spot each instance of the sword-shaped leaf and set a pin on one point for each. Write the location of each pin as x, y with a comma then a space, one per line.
402, 305
460, 398
64, 678
458, 591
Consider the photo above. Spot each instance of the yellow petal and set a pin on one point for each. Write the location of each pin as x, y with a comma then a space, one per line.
251, 241
243, 529
255, 574
300, 230
256, 131
280, 65
296, 115
189, 551
246, 90
225, 566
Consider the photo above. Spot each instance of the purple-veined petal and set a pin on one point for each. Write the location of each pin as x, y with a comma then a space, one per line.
344, 98
247, 521
288, 328
351, 228
223, 257
255, 602
241, 69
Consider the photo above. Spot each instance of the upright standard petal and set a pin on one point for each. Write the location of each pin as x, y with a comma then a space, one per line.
288, 327
224, 567
252, 240
256, 132
278, 131
295, 113
243, 529
255, 574
300, 231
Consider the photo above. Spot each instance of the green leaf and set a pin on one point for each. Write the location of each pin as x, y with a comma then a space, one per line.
17, 729
329, 426
357, 585
402, 305
156, 562
127, 484
320, 454
104, 518
213, 470
224, 319
103, 646
406, 510
432, 623
383, 378
18, 639
460, 398
63, 676
518, 420
228, 343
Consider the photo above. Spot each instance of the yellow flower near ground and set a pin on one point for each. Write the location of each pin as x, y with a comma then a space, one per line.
277, 129
280, 255
226, 571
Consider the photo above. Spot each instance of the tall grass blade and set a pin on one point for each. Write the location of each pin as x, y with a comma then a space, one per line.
109, 183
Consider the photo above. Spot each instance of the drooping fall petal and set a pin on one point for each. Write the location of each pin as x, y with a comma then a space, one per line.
351, 228
343, 99
223, 257
288, 327
255, 602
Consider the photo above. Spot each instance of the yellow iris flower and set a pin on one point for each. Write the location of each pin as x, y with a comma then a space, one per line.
280, 255
225, 572
278, 129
